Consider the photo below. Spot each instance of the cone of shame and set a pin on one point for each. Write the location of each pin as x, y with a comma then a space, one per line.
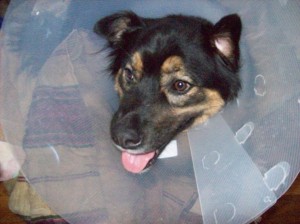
57, 100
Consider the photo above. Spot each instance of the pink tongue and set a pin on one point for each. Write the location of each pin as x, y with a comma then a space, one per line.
136, 163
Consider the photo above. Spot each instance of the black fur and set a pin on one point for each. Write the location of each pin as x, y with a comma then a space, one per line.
210, 54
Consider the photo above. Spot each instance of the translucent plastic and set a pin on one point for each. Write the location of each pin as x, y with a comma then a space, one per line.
57, 100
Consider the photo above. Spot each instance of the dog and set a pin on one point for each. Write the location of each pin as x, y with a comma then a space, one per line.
170, 74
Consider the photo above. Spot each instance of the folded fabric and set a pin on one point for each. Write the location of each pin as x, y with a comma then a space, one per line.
58, 117
59, 131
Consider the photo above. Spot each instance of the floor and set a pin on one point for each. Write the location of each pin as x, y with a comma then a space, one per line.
286, 210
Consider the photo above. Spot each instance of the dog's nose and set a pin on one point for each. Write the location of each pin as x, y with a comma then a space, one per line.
126, 130
129, 139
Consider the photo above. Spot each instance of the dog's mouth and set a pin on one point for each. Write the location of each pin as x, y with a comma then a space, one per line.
137, 163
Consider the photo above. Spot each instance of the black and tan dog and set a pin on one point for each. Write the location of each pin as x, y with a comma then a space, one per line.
170, 73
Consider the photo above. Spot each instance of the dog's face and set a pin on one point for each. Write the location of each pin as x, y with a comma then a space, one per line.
170, 73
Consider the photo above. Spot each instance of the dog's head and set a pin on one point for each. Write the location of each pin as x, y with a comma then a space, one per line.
170, 73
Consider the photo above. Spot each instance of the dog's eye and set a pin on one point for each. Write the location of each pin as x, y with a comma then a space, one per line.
181, 86
128, 74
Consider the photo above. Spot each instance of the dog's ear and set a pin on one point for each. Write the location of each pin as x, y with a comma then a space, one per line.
114, 27
226, 37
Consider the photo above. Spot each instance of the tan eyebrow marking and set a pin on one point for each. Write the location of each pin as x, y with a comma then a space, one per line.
172, 64
117, 83
137, 62
172, 69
